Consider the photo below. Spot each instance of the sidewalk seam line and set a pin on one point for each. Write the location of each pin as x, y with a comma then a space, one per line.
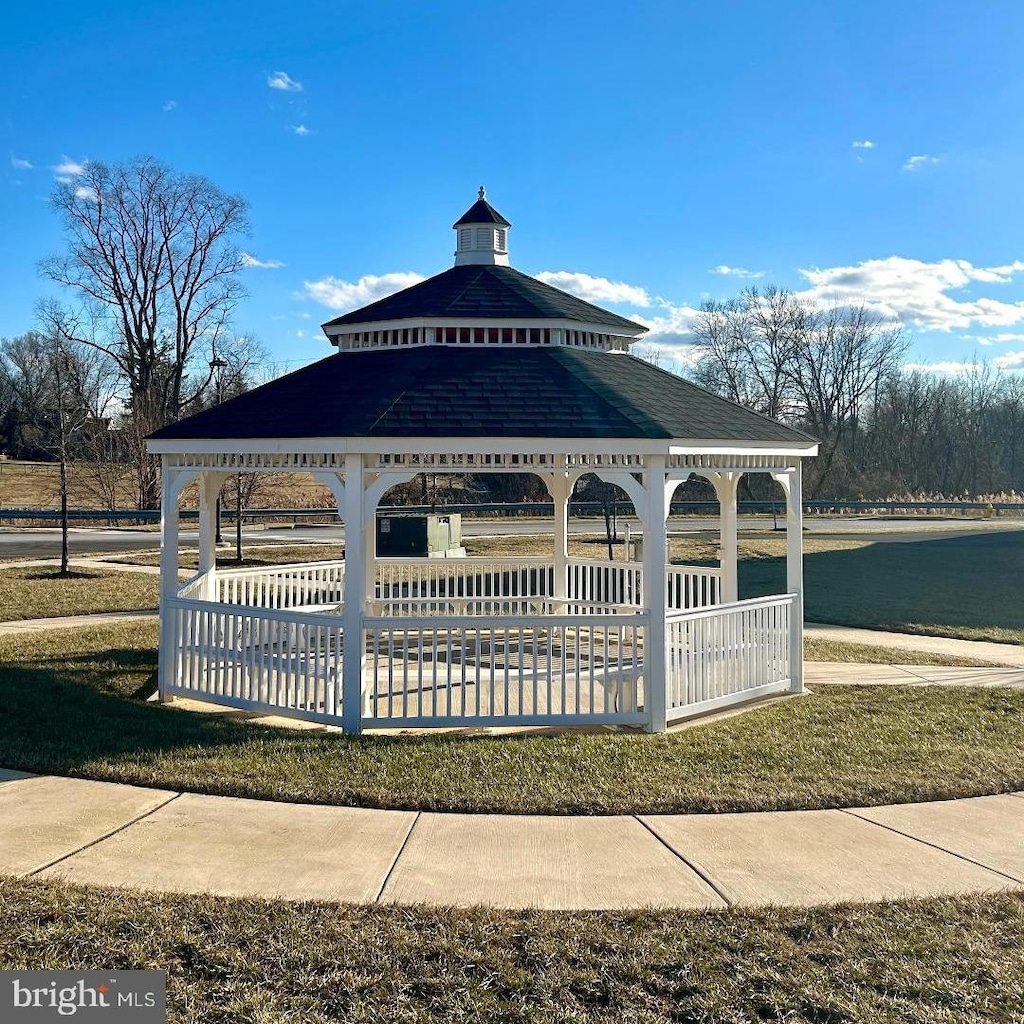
934, 846
398, 857
700, 872
103, 838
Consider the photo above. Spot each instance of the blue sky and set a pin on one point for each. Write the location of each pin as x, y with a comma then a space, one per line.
649, 154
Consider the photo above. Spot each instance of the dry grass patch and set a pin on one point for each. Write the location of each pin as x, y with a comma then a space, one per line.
36, 592
232, 960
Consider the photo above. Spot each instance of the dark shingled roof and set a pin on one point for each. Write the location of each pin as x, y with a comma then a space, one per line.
499, 391
487, 291
481, 212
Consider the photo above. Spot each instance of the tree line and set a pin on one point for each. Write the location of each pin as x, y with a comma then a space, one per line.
838, 374
151, 277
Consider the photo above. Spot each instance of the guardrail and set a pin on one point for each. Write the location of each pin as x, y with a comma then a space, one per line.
520, 508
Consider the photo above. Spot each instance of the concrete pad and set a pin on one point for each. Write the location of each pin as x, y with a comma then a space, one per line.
236, 847
987, 829
45, 818
947, 675
857, 674
983, 650
556, 863
804, 858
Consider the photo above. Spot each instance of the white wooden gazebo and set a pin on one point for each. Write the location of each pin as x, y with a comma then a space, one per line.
480, 369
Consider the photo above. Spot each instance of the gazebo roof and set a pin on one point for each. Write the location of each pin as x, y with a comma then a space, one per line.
481, 391
484, 291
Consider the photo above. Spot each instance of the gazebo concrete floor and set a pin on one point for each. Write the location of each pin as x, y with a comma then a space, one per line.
112, 835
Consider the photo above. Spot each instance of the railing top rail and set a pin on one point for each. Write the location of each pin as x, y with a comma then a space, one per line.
271, 570
541, 560
724, 609
191, 582
332, 619
419, 622
709, 570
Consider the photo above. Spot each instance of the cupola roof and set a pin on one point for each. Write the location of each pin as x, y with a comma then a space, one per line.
481, 212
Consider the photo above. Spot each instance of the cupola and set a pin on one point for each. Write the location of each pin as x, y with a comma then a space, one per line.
482, 235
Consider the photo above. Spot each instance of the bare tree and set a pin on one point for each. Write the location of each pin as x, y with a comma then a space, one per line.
152, 253
748, 344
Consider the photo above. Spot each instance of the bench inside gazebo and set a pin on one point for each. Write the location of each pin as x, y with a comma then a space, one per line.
480, 369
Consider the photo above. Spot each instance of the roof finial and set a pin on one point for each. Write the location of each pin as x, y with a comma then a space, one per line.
482, 193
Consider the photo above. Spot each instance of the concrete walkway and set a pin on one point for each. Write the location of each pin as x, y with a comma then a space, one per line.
997, 654
851, 673
71, 622
112, 835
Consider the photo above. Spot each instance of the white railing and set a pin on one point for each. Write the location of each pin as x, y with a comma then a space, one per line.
306, 584
286, 663
194, 586
593, 582
692, 586
462, 586
722, 655
508, 670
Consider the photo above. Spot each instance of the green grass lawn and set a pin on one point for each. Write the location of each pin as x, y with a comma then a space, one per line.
231, 960
35, 592
78, 709
970, 587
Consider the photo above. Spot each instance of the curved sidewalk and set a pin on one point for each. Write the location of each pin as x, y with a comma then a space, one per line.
107, 834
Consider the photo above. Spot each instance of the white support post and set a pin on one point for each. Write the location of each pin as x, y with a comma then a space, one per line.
209, 488
795, 576
726, 485
792, 485
353, 660
655, 516
370, 518
560, 486
167, 668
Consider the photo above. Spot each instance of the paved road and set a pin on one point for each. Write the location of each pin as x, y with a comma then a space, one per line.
45, 542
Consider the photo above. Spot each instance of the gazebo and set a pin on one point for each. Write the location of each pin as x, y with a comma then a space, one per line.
480, 369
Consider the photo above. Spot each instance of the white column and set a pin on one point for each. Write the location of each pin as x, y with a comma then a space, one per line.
370, 518
795, 576
355, 592
167, 668
560, 486
655, 515
209, 488
726, 485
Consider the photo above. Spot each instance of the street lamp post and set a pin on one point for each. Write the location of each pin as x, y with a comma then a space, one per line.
217, 367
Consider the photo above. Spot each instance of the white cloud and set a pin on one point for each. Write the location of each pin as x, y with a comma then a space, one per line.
86, 193
863, 144
300, 334
301, 129
19, 164
341, 295
915, 163
249, 260
673, 328
917, 292
283, 81
169, 105
726, 271
1010, 361
994, 339
595, 289
67, 169
948, 366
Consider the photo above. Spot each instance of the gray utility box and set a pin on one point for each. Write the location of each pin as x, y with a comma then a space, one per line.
411, 536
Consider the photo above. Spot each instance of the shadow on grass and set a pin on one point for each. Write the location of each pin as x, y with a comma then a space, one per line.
971, 586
